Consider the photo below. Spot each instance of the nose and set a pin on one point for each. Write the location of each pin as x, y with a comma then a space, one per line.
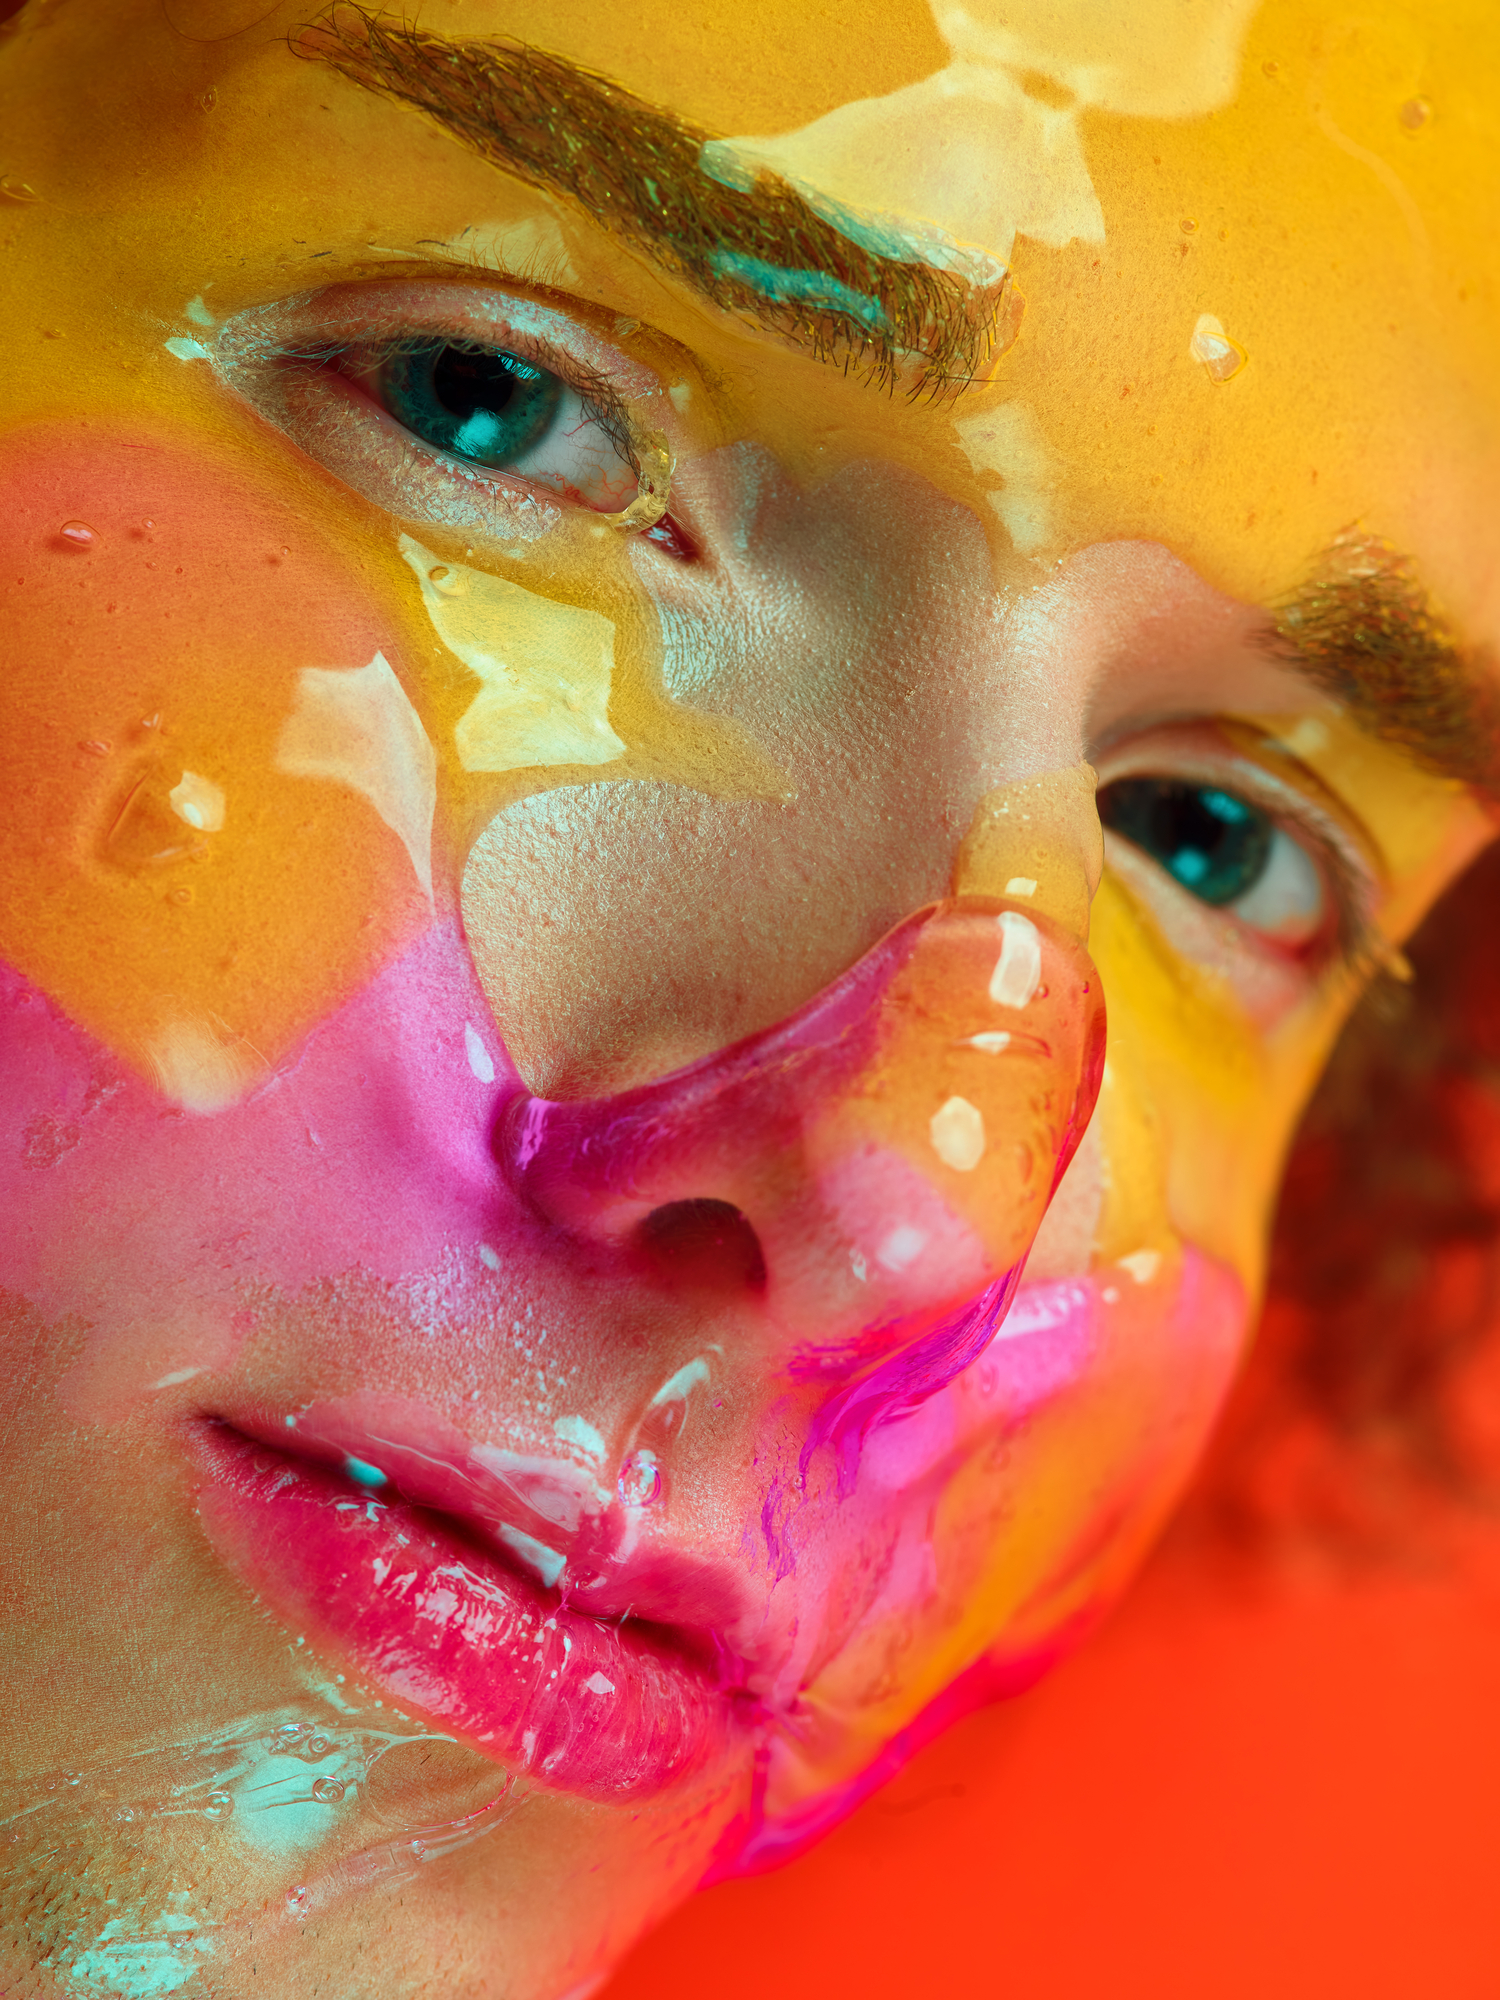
869, 1166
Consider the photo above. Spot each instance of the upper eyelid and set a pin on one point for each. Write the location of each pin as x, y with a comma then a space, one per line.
465, 312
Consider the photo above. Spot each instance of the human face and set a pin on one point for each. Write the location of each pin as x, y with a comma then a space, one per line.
555, 1324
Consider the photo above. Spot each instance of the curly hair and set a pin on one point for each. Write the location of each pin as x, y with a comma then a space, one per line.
1372, 1400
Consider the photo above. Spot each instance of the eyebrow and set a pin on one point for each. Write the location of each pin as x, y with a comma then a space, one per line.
1364, 632
857, 296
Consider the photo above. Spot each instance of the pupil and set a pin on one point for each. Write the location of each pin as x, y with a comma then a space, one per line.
491, 407
1213, 843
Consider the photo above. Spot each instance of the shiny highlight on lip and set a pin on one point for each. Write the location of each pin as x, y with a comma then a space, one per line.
425, 1612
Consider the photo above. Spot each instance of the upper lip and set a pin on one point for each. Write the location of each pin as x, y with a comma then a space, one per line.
691, 1603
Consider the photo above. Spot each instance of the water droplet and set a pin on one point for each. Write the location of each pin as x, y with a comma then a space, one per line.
317, 1746
298, 1901
640, 1479
13, 188
180, 896
1270, 68
440, 573
418, 1848
451, 583
1221, 358
209, 98
95, 747
1415, 113
219, 1805
1188, 225
77, 534
328, 1791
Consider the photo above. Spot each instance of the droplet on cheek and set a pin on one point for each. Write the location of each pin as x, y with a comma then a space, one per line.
640, 1479
76, 535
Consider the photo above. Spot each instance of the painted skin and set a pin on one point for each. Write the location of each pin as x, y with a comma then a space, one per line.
276, 973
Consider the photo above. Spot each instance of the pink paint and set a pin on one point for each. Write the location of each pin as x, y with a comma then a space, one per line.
366, 1150
668, 1639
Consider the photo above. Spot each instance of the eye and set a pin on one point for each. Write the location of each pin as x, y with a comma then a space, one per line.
1224, 850
460, 406
492, 408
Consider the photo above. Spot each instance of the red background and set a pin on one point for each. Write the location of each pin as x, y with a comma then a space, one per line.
1255, 1782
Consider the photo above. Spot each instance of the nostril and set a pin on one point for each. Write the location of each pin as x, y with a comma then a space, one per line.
703, 1245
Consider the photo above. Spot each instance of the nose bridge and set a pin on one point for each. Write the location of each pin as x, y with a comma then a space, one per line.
892, 1145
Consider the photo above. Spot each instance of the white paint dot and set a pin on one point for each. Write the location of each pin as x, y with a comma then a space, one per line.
181, 1375
957, 1133
597, 1684
488, 1257
579, 1431
1021, 885
901, 1247
480, 1060
1018, 970
1142, 1265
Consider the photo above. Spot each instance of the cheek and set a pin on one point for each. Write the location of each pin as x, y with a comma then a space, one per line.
190, 873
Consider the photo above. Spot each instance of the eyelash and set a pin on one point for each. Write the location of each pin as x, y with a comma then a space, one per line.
601, 401
263, 358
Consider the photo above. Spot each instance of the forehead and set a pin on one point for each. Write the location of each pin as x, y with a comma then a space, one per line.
1178, 186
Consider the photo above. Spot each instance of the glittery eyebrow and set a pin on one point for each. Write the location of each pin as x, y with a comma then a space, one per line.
1363, 630
857, 296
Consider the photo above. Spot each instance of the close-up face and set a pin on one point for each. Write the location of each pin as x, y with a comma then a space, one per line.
708, 715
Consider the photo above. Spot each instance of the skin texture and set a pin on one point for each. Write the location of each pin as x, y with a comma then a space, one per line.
254, 1053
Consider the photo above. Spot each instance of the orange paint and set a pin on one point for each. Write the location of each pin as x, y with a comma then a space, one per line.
171, 642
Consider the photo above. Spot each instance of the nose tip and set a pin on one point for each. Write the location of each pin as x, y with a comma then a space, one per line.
867, 1165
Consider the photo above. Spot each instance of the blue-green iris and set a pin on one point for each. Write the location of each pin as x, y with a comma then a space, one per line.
1214, 843
485, 406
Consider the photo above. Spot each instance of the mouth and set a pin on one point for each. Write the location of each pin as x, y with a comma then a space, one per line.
615, 1691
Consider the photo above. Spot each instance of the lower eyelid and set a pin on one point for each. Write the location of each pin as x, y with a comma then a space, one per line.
465, 498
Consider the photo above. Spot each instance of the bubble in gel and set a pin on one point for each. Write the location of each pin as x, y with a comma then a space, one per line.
12, 188
1415, 113
327, 1791
77, 534
298, 1901
640, 1479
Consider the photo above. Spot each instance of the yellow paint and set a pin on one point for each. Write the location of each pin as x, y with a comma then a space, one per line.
1039, 839
545, 668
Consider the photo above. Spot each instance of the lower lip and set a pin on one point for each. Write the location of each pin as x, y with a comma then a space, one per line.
587, 1707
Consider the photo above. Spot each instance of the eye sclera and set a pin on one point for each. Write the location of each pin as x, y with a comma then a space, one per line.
258, 350
1216, 755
